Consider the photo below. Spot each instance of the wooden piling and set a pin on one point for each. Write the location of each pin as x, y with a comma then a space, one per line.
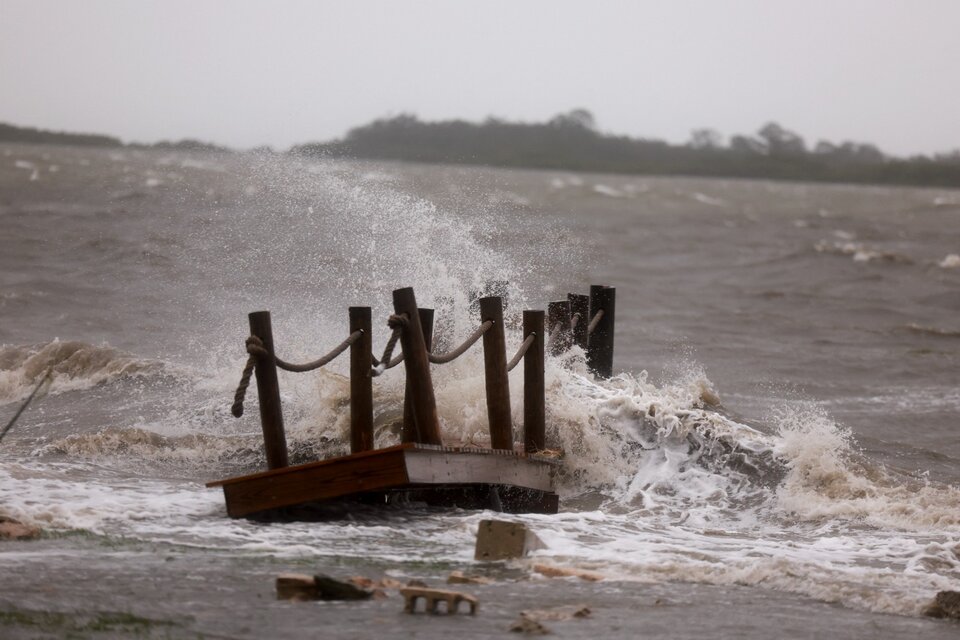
417, 365
534, 400
268, 390
580, 304
495, 370
361, 381
558, 319
410, 431
600, 345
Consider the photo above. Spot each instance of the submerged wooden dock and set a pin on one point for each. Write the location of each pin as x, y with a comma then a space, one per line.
509, 477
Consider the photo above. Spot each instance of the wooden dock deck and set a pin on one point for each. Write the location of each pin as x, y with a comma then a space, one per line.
442, 476
509, 477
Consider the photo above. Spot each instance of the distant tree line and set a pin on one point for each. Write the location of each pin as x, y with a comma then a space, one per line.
570, 141
11, 133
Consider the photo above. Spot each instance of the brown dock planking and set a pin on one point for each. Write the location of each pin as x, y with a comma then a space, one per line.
472, 478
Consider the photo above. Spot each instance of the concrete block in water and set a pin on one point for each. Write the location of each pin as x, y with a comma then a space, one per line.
499, 540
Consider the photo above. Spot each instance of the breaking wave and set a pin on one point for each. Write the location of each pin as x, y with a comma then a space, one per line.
73, 365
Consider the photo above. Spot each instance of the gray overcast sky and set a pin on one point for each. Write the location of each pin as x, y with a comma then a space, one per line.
246, 73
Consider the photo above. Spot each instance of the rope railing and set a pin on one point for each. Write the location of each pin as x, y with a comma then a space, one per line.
256, 350
320, 362
522, 351
450, 356
595, 321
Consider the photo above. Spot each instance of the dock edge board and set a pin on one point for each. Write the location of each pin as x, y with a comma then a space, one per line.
427, 471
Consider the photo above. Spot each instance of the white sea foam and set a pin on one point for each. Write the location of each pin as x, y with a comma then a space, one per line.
860, 252
951, 261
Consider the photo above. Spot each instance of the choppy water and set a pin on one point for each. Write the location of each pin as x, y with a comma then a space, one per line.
825, 318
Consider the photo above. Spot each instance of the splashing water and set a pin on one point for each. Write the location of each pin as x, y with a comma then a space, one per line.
658, 482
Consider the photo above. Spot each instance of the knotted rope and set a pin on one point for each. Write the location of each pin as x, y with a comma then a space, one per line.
522, 351
397, 322
256, 350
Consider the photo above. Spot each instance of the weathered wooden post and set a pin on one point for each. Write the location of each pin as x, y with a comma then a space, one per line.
410, 431
495, 370
580, 304
534, 401
558, 319
417, 365
268, 390
600, 345
361, 381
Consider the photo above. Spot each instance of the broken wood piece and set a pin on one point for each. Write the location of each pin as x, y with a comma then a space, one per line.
369, 583
433, 597
557, 613
459, 577
566, 572
529, 627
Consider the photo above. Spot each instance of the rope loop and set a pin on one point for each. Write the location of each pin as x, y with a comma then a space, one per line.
595, 321
450, 356
255, 347
320, 362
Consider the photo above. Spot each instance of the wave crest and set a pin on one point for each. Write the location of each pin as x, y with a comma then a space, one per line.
73, 365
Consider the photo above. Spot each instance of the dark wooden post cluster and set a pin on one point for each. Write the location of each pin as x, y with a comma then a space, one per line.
600, 344
597, 345
420, 421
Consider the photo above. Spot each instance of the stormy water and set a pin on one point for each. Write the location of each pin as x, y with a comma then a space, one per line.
778, 449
